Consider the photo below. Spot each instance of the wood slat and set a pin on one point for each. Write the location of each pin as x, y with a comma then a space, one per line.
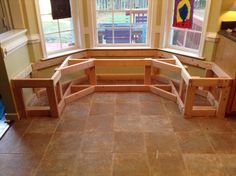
122, 62
80, 94
166, 66
33, 83
121, 88
38, 112
77, 67
164, 94
203, 111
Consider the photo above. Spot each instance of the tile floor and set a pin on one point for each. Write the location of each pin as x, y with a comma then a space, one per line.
120, 134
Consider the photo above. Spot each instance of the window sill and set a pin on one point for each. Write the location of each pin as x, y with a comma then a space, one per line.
182, 53
62, 54
121, 47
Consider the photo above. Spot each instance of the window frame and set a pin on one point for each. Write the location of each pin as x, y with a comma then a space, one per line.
76, 29
94, 28
167, 27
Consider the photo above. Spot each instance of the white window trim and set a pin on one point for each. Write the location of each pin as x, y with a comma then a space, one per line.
76, 24
166, 24
94, 32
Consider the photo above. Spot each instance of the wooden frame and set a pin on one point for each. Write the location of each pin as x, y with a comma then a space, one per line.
182, 91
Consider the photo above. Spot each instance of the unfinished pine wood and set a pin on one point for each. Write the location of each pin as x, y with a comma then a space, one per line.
203, 111
33, 83
92, 76
223, 100
121, 52
180, 91
166, 66
52, 100
163, 93
77, 67
179, 100
19, 100
38, 111
211, 82
122, 62
77, 88
47, 63
75, 96
56, 77
122, 77
189, 99
121, 88
147, 76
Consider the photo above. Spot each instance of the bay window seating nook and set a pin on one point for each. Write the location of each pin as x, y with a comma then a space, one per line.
178, 86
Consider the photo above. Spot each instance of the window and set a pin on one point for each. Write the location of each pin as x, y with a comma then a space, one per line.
190, 40
58, 35
121, 22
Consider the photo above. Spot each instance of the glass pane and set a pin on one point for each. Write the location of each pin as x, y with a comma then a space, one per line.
52, 42
140, 4
49, 25
44, 6
198, 14
104, 19
122, 4
67, 39
66, 24
104, 5
121, 19
140, 21
122, 35
139, 35
105, 36
177, 37
193, 40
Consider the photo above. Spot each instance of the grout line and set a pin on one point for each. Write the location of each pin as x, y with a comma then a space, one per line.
34, 172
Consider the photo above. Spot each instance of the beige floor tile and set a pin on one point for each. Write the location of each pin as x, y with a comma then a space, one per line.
71, 125
127, 109
129, 142
149, 97
180, 124
162, 142
54, 164
223, 142
166, 165
97, 142
102, 109
102, 123
130, 165
45, 125
156, 123
128, 123
66, 142
76, 111
104, 98
171, 107
93, 164
215, 125
194, 142
33, 142
152, 108
229, 164
127, 97
19, 164
232, 124
10, 140
203, 165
